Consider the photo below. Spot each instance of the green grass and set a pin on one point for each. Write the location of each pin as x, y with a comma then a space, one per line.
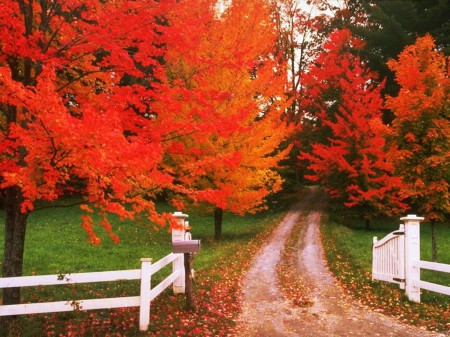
349, 255
56, 244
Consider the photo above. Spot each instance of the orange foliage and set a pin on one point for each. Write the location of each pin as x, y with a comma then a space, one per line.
422, 126
235, 56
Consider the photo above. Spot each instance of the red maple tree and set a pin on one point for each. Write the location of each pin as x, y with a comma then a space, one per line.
86, 100
343, 105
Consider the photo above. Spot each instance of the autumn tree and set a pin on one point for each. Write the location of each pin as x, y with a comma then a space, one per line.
350, 162
301, 29
85, 98
387, 27
422, 129
244, 163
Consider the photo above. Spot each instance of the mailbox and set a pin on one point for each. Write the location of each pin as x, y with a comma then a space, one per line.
189, 246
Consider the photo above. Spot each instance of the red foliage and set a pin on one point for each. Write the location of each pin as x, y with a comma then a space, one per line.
89, 98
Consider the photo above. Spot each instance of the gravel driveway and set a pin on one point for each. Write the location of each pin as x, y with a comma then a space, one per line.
267, 313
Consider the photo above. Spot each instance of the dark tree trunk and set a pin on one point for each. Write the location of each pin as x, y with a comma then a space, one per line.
433, 241
218, 217
15, 226
367, 224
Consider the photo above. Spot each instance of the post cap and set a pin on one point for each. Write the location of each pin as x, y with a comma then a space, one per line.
412, 217
179, 215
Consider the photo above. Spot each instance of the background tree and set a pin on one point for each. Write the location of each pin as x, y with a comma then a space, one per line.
301, 29
85, 98
244, 164
422, 129
350, 162
387, 27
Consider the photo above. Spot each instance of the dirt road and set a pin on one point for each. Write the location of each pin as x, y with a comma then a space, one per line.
267, 313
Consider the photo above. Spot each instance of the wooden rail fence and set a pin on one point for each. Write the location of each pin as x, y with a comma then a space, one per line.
177, 278
147, 294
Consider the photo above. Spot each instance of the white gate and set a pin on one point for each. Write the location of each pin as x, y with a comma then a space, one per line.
388, 262
396, 258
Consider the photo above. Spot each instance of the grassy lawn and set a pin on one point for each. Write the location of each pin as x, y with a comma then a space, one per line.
349, 255
56, 244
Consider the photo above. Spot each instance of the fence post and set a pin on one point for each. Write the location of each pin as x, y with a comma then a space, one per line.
412, 255
401, 256
374, 257
144, 309
179, 285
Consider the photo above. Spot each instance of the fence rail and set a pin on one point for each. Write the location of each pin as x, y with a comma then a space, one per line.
103, 276
143, 301
440, 267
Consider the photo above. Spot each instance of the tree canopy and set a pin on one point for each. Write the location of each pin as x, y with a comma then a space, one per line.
93, 97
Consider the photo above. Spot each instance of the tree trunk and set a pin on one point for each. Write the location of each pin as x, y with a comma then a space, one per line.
433, 241
15, 226
367, 224
218, 217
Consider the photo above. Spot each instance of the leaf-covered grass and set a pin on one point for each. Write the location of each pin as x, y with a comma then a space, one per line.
349, 255
56, 244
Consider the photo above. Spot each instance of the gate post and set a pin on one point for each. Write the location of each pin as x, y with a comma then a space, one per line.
179, 285
412, 255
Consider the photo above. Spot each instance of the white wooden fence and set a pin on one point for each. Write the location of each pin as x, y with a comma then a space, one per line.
396, 258
147, 294
143, 301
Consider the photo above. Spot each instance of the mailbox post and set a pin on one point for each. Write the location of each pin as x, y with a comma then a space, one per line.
188, 248
179, 235
181, 244
188, 260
